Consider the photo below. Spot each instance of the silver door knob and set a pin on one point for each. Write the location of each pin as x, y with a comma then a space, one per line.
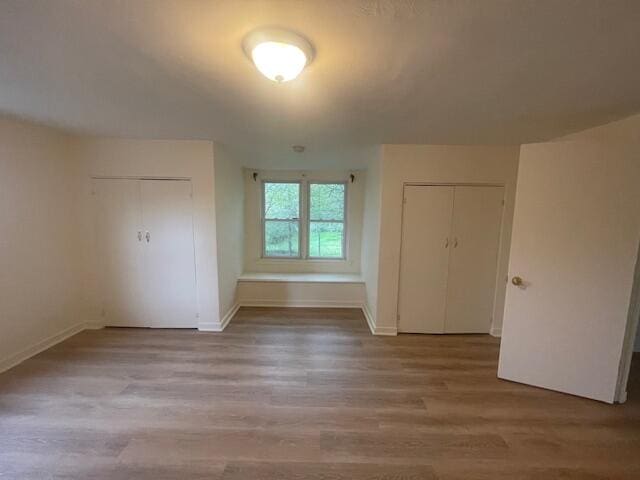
148, 236
517, 281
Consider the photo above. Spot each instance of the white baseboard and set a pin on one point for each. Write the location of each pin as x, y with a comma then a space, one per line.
219, 327
299, 304
222, 324
375, 330
210, 327
495, 332
390, 331
369, 318
42, 345
229, 315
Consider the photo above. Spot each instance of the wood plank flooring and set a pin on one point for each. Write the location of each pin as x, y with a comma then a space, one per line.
298, 394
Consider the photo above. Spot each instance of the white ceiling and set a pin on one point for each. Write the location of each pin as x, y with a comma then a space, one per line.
386, 71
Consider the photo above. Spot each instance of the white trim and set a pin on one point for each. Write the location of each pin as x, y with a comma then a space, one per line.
375, 330
495, 332
42, 345
302, 303
390, 331
369, 318
304, 221
224, 321
229, 315
210, 327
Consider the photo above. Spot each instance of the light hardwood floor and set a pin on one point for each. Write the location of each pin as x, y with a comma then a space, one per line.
298, 394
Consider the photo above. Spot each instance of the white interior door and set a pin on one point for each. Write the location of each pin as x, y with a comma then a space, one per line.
120, 247
574, 244
426, 222
170, 288
475, 234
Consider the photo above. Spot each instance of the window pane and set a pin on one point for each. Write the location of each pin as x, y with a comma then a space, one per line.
281, 200
281, 239
327, 201
325, 239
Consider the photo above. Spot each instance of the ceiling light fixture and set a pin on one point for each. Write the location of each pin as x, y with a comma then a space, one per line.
278, 54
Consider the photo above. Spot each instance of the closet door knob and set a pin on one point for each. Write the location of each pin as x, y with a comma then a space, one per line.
148, 237
446, 243
517, 281
139, 236
455, 242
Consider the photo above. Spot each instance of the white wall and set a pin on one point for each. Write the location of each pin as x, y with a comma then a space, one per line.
39, 238
371, 235
158, 158
253, 235
229, 194
438, 164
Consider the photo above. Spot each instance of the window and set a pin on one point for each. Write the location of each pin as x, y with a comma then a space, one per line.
326, 220
319, 234
281, 202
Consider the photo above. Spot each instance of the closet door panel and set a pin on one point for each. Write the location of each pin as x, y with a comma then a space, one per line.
426, 223
477, 220
167, 214
120, 252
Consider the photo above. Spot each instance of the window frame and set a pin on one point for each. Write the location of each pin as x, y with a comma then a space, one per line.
308, 220
264, 220
304, 220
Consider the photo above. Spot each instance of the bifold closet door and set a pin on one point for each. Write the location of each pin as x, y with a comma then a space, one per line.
475, 239
426, 222
170, 278
146, 253
120, 259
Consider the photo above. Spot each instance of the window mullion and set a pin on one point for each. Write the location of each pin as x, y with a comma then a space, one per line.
305, 212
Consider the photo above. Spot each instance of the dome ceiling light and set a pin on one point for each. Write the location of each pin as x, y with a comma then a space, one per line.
278, 54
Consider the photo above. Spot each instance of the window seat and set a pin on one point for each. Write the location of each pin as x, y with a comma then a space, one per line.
302, 277
301, 290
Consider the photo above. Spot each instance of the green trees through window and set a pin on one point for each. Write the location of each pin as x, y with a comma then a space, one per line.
282, 219
326, 220
324, 224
